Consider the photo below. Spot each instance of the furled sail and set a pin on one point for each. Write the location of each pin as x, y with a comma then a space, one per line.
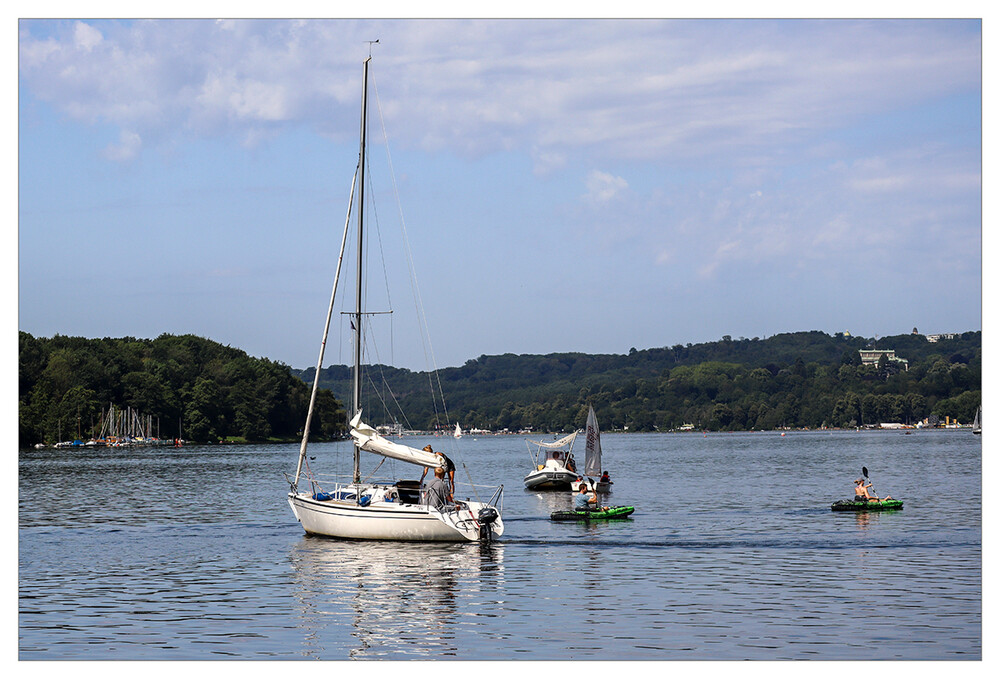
368, 439
592, 461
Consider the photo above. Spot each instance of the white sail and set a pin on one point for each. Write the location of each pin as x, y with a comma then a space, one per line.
592, 461
368, 439
458, 431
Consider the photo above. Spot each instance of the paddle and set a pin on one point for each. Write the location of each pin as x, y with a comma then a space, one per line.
864, 473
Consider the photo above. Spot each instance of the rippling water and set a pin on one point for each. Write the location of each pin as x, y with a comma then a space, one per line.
733, 553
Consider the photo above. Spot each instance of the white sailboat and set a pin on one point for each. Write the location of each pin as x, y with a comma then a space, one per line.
458, 431
555, 468
977, 424
592, 459
374, 510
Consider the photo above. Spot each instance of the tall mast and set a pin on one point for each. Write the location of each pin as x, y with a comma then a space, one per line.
361, 223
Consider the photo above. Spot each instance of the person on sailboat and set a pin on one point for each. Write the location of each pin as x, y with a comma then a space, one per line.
605, 478
438, 495
446, 464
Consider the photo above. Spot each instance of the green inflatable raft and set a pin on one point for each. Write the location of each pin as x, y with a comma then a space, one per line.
863, 506
608, 514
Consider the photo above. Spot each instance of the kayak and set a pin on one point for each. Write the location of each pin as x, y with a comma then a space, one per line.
608, 514
862, 506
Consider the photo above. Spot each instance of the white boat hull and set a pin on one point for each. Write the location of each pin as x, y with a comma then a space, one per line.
550, 479
389, 520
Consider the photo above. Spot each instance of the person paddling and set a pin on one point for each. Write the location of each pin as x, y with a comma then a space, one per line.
583, 500
862, 494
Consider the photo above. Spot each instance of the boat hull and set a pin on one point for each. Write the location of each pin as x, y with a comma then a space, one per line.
611, 514
550, 479
853, 506
390, 520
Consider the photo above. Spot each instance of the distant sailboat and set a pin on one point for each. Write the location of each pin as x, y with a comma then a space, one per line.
458, 431
977, 425
592, 458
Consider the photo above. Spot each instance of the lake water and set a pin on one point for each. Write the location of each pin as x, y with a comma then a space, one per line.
732, 553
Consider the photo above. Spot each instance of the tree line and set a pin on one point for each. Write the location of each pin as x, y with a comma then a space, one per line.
204, 391
804, 379
192, 388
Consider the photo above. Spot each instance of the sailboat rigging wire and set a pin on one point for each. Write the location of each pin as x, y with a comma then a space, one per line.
395, 402
372, 473
326, 330
424, 333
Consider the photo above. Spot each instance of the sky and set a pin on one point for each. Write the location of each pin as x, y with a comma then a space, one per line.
562, 185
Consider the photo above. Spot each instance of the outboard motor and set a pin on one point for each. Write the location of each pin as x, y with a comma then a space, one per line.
487, 515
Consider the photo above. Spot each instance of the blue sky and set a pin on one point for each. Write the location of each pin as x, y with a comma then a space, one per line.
565, 185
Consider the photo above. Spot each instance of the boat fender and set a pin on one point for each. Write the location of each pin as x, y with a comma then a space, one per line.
365, 500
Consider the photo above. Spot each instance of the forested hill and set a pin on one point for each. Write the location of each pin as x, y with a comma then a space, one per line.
807, 379
182, 384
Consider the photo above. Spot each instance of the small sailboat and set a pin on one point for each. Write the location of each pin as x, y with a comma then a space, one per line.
977, 424
366, 510
555, 468
592, 458
458, 431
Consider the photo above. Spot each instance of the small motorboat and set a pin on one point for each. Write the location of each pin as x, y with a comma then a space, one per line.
555, 468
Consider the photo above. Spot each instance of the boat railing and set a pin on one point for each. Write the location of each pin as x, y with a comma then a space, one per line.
463, 491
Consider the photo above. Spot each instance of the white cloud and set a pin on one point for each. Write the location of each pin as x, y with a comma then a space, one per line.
636, 90
128, 147
86, 37
244, 99
884, 184
603, 187
546, 162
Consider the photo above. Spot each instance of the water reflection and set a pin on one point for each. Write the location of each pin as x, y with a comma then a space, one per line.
546, 502
386, 600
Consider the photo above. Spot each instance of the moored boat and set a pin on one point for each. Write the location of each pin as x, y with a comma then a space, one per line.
363, 510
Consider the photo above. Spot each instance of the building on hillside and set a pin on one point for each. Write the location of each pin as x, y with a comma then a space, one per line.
872, 357
941, 336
